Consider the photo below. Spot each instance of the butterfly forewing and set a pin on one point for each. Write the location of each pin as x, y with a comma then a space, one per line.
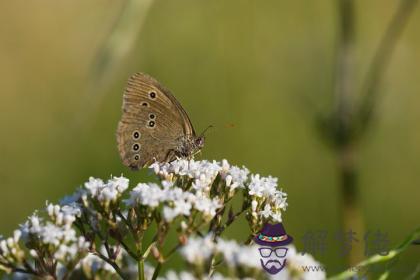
152, 123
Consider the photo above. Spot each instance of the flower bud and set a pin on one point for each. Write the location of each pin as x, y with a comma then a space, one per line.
254, 205
182, 239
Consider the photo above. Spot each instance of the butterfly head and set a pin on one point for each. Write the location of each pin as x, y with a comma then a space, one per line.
199, 142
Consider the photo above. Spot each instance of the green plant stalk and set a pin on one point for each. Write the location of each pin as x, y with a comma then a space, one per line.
352, 216
381, 59
156, 272
350, 120
140, 268
140, 262
379, 258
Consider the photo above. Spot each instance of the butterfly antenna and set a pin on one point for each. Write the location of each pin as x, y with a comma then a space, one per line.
205, 130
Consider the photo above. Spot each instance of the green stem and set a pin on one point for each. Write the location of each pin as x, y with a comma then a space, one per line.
140, 265
382, 57
140, 261
379, 258
112, 263
211, 267
229, 222
157, 270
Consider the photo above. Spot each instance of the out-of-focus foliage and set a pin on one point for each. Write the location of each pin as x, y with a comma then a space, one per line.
256, 70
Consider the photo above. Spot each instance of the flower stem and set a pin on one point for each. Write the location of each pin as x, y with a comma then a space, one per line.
157, 270
140, 266
112, 263
347, 274
140, 261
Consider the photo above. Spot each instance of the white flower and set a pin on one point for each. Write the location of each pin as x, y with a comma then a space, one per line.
202, 184
95, 264
279, 199
236, 177
198, 249
106, 193
113, 189
177, 201
254, 205
94, 185
73, 209
266, 212
169, 213
68, 252
182, 207
276, 217
16, 235
229, 249
249, 256
204, 172
301, 267
57, 235
206, 205
64, 215
270, 213
53, 234
262, 186
237, 255
32, 225
166, 184
145, 194
74, 198
186, 187
225, 165
3, 247
120, 183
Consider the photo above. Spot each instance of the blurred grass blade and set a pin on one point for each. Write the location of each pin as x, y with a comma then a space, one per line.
415, 273
121, 39
110, 58
381, 59
347, 274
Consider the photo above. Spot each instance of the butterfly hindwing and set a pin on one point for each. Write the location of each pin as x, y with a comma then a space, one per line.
152, 123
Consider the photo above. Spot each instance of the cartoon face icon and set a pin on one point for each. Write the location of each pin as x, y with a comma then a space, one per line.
273, 259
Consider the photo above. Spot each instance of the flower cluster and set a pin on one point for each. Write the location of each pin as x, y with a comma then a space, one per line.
244, 258
106, 193
107, 229
244, 261
177, 201
49, 244
301, 267
266, 199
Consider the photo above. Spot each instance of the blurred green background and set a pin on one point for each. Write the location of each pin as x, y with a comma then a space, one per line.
259, 71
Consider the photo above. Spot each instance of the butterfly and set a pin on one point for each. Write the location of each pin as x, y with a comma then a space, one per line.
154, 126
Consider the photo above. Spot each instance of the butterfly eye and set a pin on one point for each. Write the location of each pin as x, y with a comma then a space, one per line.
136, 147
136, 157
152, 116
151, 123
152, 94
145, 104
136, 135
199, 142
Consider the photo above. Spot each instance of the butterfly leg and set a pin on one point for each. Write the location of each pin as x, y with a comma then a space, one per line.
150, 162
170, 156
194, 154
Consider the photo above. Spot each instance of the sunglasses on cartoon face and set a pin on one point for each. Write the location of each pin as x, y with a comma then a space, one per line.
266, 252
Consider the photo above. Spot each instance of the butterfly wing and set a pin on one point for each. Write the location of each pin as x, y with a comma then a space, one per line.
152, 123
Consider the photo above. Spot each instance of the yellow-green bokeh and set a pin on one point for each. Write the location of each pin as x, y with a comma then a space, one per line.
259, 71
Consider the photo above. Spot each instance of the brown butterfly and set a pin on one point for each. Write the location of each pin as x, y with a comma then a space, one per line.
153, 126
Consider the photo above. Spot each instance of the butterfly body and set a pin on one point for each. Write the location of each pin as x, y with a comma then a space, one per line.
189, 145
153, 126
